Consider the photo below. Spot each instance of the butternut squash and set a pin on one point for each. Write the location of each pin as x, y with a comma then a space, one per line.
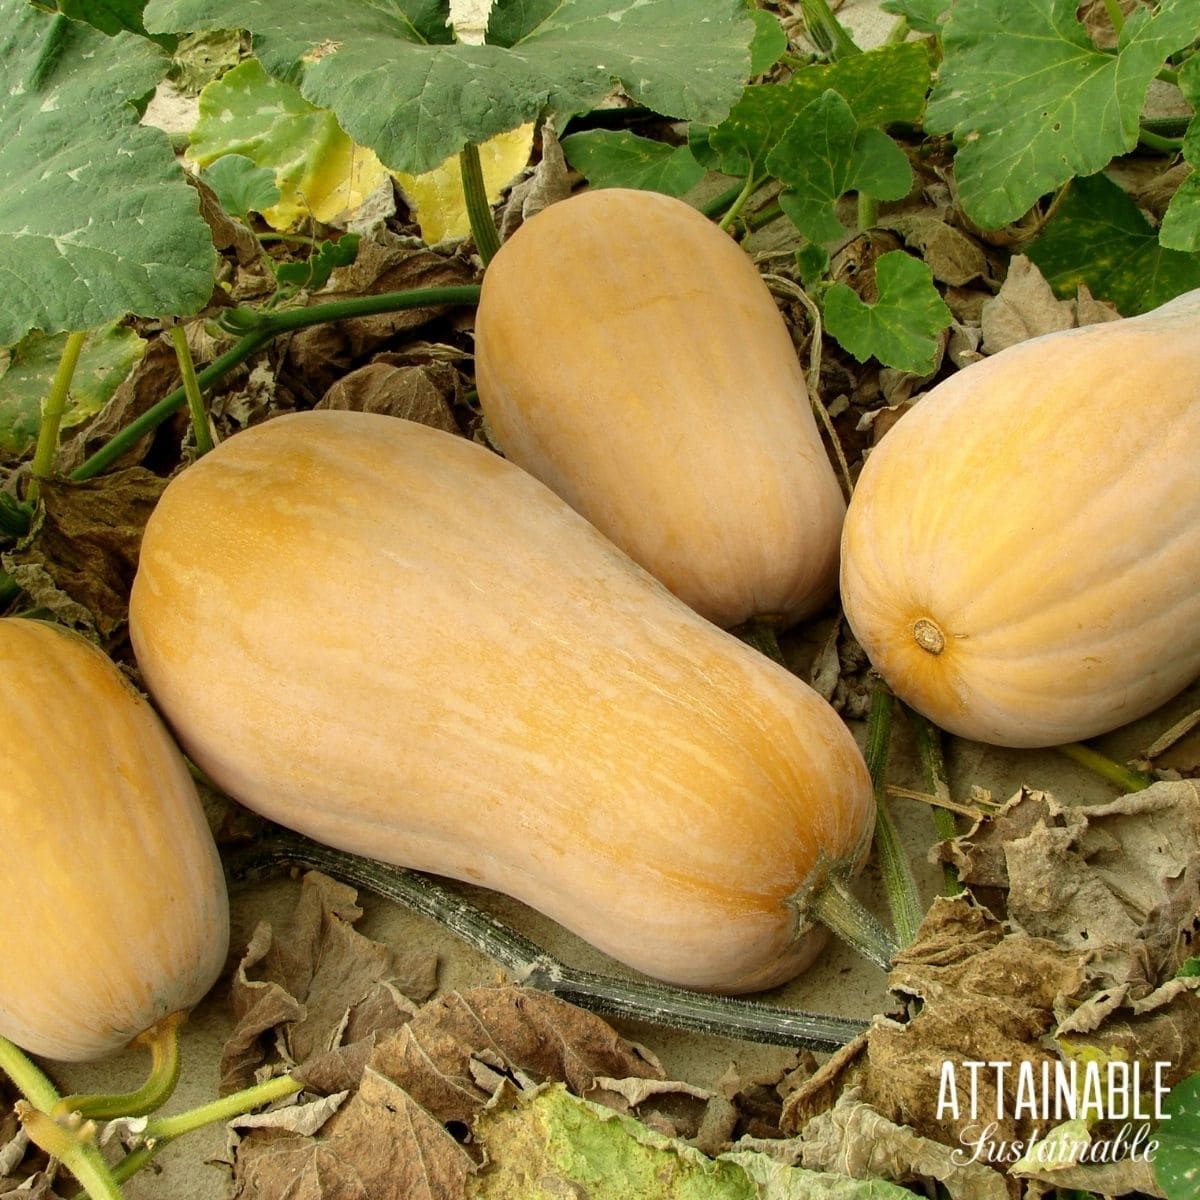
116, 914
396, 642
629, 355
1021, 557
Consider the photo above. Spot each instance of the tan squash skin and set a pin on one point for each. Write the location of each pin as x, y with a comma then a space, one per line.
629, 355
115, 909
1039, 515
398, 643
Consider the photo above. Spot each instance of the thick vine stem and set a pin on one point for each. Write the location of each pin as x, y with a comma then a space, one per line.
903, 898
933, 766
161, 1132
842, 913
70, 1141
529, 964
479, 211
55, 405
162, 1040
259, 329
763, 637
1124, 778
191, 389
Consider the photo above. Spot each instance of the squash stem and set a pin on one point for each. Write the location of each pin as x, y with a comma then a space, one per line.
903, 898
747, 190
160, 1132
1126, 779
30, 1080
191, 389
54, 407
258, 329
762, 636
529, 964
71, 1143
479, 211
937, 781
74, 1146
843, 914
163, 1043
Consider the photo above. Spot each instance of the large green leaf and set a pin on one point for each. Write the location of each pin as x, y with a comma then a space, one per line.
1177, 1161
1032, 102
618, 158
901, 328
96, 219
882, 87
1099, 237
398, 86
825, 154
1181, 223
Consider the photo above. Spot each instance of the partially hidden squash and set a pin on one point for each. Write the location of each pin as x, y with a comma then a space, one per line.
1021, 556
116, 913
629, 354
398, 643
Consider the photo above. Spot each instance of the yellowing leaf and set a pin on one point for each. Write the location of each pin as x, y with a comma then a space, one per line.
321, 174
436, 197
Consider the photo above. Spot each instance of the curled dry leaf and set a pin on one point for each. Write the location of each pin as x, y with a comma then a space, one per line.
154, 376
854, 1139
1025, 307
326, 990
975, 994
80, 559
322, 353
422, 393
1119, 882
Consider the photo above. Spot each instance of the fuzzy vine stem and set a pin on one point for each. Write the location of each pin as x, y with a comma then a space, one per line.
159, 1133
55, 405
257, 330
162, 1040
191, 389
901, 887
763, 637
843, 914
933, 767
1126, 779
748, 188
74, 1147
479, 211
530, 965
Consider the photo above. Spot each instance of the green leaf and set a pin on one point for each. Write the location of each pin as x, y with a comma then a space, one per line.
241, 186
1180, 229
770, 42
617, 158
1190, 968
1177, 1161
415, 102
1031, 101
823, 155
109, 16
925, 16
882, 87
1099, 237
96, 218
108, 355
314, 271
900, 329
318, 170
547, 1143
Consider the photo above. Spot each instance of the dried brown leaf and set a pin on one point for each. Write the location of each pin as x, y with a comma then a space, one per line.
324, 986
854, 1139
85, 546
320, 354
522, 1031
154, 376
978, 994
421, 393
951, 255
1025, 307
